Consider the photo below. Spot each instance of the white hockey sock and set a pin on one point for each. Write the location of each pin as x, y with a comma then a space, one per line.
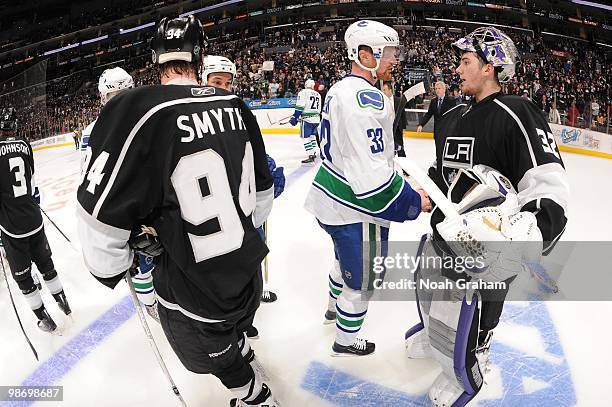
54, 285
309, 145
335, 286
244, 345
34, 299
143, 284
351, 310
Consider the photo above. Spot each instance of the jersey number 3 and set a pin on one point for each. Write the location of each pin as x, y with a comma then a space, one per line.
21, 188
199, 205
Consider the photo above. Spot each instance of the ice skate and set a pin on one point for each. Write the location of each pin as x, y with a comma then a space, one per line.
360, 347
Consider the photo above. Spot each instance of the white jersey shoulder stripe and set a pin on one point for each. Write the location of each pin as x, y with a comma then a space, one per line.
450, 110
520, 124
135, 130
176, 307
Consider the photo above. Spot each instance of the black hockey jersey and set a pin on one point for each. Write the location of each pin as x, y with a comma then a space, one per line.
511, 135
189, 161
19, 214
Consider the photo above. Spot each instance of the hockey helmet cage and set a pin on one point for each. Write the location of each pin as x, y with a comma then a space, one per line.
178, 39
494, 47
215, 64
113, 80
8, 119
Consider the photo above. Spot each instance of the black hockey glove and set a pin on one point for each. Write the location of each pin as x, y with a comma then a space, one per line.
146, 242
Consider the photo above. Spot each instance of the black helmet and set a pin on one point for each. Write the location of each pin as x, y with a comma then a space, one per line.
178, 39
8, 119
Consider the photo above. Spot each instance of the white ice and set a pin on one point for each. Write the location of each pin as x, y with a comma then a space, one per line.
121, 370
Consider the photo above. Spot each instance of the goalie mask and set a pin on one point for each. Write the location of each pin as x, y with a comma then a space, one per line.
493, 47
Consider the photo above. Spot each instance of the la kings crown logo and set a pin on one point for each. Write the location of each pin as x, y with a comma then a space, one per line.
458, 153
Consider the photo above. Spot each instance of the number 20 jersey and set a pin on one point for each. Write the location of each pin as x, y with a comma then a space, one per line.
188, 161
19, 214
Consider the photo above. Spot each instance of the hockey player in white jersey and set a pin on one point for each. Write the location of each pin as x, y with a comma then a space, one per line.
308, 108
356, 192
111, 83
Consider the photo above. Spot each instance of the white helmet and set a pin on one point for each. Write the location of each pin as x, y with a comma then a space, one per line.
215, 64
494, 47
373, 34
113, 80
310, 84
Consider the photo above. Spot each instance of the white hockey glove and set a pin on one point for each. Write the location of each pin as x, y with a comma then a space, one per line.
497, 238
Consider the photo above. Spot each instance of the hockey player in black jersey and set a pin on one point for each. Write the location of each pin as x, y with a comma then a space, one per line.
189, 162
21, 224
497, 159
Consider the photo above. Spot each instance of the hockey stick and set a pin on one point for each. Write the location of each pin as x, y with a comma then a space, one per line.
149, 335
445, 205
16, 313
53, 223
266, 295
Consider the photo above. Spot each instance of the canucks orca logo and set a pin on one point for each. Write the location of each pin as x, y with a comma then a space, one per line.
371, 98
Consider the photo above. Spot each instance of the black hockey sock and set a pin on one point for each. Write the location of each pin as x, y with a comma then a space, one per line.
40, 312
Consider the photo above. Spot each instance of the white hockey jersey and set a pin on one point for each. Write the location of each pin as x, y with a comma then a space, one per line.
85, 142
356, 181
309, 103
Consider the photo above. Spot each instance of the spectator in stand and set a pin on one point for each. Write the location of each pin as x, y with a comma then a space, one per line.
595, 111
572, 114
438, 106
553, 114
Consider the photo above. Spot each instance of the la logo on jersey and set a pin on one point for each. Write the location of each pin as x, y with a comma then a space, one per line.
458, 153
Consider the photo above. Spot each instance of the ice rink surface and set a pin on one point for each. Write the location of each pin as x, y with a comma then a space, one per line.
544, 354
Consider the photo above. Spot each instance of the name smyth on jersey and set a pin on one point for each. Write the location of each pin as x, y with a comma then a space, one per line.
209, 122
458, 152
17, 147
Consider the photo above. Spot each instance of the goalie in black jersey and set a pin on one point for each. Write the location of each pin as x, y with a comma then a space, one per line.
496, 158
188, 162
21, 224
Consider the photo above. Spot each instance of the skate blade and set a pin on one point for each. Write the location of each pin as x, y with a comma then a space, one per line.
349, 355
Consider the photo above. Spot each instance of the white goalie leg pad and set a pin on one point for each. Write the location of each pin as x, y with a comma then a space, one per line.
453, 334
416, 338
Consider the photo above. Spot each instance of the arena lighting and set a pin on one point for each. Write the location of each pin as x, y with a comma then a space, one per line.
208, 8
590, 3
138, 27
94, 40
278, 26
53, 51
564, 36
479, 23
604, 45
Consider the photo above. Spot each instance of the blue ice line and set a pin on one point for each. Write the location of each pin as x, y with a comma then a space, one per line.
69, 355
